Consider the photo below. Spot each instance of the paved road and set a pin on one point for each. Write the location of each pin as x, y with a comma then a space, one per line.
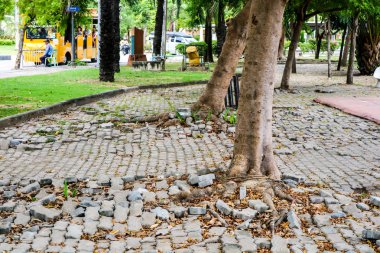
312, 140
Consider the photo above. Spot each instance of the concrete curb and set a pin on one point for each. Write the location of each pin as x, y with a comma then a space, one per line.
62, 106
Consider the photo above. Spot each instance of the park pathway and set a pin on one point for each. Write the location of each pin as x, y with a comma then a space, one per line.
319, 143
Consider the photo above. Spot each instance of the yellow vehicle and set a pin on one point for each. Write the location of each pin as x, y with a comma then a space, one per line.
34, 45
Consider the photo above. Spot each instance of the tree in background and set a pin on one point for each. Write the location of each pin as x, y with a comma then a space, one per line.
107, 44
6, 7
368, 44
301, 11
158, 27
116, 40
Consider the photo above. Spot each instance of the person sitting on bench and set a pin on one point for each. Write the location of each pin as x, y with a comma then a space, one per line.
48, 52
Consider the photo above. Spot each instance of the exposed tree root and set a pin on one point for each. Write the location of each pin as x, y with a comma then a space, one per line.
153, 118
216, 215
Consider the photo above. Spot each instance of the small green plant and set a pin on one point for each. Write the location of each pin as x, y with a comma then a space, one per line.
195, 115
233, 119
65, 189
226, 113
74, 193
209, 116
179, 116
171, 106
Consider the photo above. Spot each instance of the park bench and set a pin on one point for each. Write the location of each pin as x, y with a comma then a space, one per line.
156, 64
377, 76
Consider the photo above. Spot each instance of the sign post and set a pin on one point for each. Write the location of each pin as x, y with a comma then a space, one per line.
72, 10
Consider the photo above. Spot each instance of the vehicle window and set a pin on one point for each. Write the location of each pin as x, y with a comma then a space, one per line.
179, 40
39, 32
172, 39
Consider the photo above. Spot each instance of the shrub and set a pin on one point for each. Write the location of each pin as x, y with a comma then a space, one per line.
214, 47
305, 47
197, 37
181, 48
7, 42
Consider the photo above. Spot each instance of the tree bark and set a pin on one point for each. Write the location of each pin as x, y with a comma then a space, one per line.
221, 29
294, 64
253, 153
208, 38
116, 26
291, 54
328, 48
319, 45
346, 47
107, 45
350, 70
20, 46
158, 28
212, 98
316, 35
281, 46
342, 44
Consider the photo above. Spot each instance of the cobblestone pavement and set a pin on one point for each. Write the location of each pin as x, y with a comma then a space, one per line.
311, 140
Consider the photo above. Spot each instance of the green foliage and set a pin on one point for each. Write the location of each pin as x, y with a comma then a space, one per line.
305, 47
179, 116
287, 44
209, 116
65, 189
302, 37
6, 6
195, 115
7, 42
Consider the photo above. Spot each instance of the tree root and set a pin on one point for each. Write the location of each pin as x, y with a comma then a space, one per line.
216, 215
153, 118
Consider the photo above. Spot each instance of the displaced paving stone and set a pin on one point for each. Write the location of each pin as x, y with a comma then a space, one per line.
244, 214
86, 246
325, 193
223, 207
134, 195
30, 188
162, 185
107, 208
375, 200
195, 210
135, 208
179, 211
363, 206
22, 219
40, 243
317, 199
263, 243
5, 227
8, 206
294, 221
279, 245
371, 234
216, 231
161, 213
45, 214
322, 220
258, 205
242, 192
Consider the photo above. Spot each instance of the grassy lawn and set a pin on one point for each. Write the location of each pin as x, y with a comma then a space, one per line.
8, 50
25, 93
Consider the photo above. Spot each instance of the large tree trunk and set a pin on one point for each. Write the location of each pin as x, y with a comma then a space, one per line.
350, 70
208, 38
368, 46
291, 54
107, 54
116, 27
253, 153
221, 29
158, 28
212, 98
346, 47
20, 46
341, 48
281, 46
316, 34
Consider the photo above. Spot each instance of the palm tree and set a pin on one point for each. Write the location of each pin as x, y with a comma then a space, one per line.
368, 45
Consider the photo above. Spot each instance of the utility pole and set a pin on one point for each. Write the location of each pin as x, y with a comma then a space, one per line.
164, 28
72, 37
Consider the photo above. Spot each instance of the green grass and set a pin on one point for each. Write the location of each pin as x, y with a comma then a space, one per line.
8, 50
20, 94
